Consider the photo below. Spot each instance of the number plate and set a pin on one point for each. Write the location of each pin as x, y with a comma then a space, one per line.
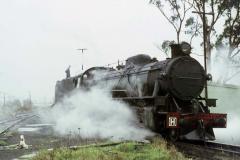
172, 120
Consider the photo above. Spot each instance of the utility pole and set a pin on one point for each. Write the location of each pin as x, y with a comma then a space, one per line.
204, 44
82, 49
204, 47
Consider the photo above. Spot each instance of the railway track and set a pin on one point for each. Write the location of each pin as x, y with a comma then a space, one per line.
232, 149
7, 124
208, 150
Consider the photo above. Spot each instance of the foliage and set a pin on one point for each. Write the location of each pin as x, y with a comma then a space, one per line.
227, 10
128, 150
230, 37
3, 143
229, 40
214, 10
166, 46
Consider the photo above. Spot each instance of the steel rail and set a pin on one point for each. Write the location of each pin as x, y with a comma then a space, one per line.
229, 148
17, 121
211, 147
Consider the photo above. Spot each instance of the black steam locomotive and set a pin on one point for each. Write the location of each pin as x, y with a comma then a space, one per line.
165, 94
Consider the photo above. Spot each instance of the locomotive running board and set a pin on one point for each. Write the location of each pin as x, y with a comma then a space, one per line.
134, 98
153, 100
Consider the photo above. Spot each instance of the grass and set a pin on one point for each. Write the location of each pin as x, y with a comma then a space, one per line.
157, 150
3, 143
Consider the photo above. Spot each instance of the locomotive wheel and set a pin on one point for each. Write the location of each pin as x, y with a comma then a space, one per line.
173, 134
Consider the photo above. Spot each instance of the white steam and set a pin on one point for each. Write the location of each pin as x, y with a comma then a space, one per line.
228, 102
225, 69
95, 114
231, 134
225, 73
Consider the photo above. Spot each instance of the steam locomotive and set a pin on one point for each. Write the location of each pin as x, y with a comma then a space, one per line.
166, 95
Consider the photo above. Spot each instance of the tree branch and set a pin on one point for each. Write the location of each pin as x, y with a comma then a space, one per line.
167, 18
235, 54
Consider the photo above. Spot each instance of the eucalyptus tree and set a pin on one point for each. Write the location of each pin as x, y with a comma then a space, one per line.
229, 39
214, 10
175, 12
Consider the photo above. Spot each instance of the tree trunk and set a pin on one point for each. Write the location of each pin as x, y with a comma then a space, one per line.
178, 37
208, 52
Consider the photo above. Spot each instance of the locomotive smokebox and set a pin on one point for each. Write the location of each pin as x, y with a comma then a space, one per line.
184, 77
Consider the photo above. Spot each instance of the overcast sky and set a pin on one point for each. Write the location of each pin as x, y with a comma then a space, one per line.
39, 38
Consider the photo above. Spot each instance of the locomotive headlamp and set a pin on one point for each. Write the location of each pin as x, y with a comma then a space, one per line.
186, 48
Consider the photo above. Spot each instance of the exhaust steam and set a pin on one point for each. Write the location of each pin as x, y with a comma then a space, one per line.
93, 114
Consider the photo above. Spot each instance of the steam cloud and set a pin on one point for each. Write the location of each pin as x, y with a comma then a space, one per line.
228, 97
97, 115
228, 102
231, 134
225, 70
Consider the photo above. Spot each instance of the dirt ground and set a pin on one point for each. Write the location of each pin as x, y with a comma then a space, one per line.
41, 139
